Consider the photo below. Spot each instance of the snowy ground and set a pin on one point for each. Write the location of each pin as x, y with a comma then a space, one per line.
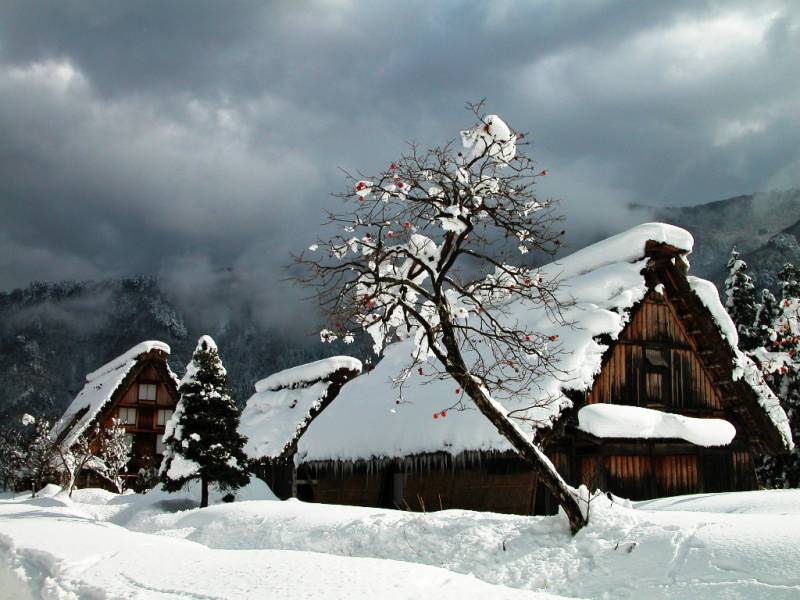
743, 545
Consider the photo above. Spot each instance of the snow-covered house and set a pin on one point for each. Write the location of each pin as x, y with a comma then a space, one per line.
139, 390
653, 399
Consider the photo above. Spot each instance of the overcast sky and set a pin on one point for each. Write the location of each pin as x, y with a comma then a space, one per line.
184, 137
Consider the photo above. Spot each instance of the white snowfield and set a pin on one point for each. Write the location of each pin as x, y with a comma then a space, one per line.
736, 545
619, 421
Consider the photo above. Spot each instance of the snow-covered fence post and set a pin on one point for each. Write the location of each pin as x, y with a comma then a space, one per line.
436, 249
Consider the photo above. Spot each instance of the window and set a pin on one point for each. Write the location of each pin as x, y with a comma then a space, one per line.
159, 444
129, 440
147, 392
127, 415
657, 377
163, 416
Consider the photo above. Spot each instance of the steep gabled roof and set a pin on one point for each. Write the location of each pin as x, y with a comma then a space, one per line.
104, 385
599, 285
285, 402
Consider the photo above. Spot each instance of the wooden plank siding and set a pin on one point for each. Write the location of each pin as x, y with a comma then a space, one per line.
655, 365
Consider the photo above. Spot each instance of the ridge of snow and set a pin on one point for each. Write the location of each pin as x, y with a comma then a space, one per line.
126, 357
308, 373
743, 368
100, 385
271, 418
621, 421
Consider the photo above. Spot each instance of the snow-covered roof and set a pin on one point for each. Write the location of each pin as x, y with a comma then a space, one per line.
284, 402
620, 421
100, 386
598, 285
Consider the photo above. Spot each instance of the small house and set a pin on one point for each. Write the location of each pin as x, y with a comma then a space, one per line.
649, 397
139, 390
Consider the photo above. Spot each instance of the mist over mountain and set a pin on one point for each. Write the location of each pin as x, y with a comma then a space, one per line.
52, 334
763, 226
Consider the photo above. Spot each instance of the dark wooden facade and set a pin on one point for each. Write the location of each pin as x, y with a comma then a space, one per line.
143, 411
670, 357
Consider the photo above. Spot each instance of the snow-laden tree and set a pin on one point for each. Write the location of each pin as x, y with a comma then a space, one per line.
81, 455
779, 360
740, 300
436, 248
41, 454
789, 279
12, 456
114, 453
766, 313
201, 440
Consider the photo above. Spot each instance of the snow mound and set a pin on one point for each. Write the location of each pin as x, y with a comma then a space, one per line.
130, 356
308, 373
283, 404
618, 421
761, 502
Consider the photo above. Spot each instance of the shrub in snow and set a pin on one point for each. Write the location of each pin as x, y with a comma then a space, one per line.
434, 250
41, 456
114, 453
201, 440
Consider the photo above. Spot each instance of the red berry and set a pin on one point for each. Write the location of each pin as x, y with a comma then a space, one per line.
553, 338
420, 371
458, 390
393, 166
444, 413
435, 415
543, 173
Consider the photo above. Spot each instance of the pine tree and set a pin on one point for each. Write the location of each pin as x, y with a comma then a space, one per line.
780, 363
740, 301
790, 281
201, 440
766, 314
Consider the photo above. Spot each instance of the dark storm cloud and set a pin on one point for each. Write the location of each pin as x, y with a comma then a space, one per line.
184, 137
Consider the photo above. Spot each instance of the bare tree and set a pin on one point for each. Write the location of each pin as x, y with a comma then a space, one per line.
80, 455
434, 249
40, 454
114, 453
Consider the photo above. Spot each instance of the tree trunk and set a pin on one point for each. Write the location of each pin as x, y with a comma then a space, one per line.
204, 492
530, 453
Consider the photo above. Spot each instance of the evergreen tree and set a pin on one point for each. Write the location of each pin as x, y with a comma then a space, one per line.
779, 360
766, 314
790, 281
740, 301
201, 440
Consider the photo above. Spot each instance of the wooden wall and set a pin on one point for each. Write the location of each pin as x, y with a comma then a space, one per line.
655, 364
